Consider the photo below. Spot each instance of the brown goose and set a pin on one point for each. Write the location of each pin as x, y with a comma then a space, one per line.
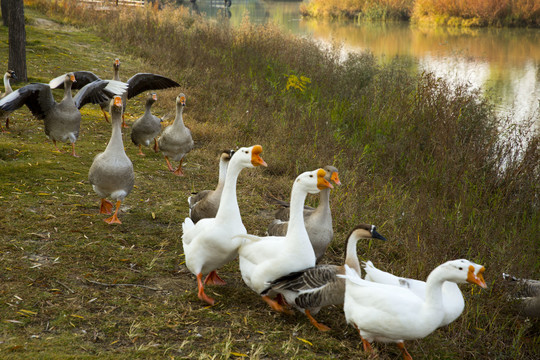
318, 220
111, 173
311, 289
525, 293
10, 74
205, 204
147, 127
176, 141
62, 119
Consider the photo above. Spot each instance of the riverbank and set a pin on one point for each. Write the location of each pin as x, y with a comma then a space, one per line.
471, 13
418, 158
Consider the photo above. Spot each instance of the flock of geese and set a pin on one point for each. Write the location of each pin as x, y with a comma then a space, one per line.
284, 267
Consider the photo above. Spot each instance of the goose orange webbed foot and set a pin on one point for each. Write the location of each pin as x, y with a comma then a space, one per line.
213, 279
106, 207
277, 307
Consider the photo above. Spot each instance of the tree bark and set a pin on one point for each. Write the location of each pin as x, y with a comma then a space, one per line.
5, 14
17, 39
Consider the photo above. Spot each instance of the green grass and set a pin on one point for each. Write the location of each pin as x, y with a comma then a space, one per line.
416, 158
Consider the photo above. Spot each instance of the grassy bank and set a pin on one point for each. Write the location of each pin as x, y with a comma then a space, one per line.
419, 159
467, 13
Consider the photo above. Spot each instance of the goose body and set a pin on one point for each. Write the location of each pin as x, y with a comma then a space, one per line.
453, 302
209, 243
205, 204
318, 221
147, 127
10, 74
389, 313
265, 259
311, 289
111, 173
526, 294
62, 119
176, 141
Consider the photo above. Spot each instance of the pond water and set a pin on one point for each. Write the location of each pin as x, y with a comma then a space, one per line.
503, 63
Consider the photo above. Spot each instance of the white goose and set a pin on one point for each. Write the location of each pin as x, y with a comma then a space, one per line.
452, 297
311, 289
264, 259
205, 204
209, 244
389, 313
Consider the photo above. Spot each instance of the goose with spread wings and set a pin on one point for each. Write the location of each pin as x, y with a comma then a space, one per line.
62, 119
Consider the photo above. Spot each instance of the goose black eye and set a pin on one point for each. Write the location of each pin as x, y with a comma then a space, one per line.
310, 176
460, 268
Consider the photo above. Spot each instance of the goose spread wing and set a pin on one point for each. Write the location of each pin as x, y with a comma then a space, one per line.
82, 78
91, 93
141, 82
36, 96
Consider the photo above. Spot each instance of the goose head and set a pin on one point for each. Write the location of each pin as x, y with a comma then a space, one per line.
248, 156
69, 79
365, 231
116, 64
312, 181
462, 270
332, 174
10, 74
151, 98
116, 105
226, 156
181, 99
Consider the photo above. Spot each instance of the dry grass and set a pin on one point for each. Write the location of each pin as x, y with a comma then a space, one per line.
421, 160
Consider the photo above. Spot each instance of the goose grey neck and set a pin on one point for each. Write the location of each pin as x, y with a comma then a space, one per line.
116, 143
178, 120
116, 75
324, 201
148, 107
67, 91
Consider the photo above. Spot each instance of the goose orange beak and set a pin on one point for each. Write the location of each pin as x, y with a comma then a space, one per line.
72, 78
118, 101
183, 101
335, 178
154, 97
477, 279
256, 160
322, 183
116, 62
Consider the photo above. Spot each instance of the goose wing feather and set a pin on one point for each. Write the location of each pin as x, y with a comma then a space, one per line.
141, 82
82, 78
36, 96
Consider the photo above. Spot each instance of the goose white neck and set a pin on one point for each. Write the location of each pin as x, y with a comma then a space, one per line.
228, 206
7, 86
434, 284
296, 225
351, 258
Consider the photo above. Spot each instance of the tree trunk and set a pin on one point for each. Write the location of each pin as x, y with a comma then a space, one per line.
5, 14
17, 39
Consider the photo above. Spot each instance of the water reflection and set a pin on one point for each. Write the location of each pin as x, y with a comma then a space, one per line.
503, 63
